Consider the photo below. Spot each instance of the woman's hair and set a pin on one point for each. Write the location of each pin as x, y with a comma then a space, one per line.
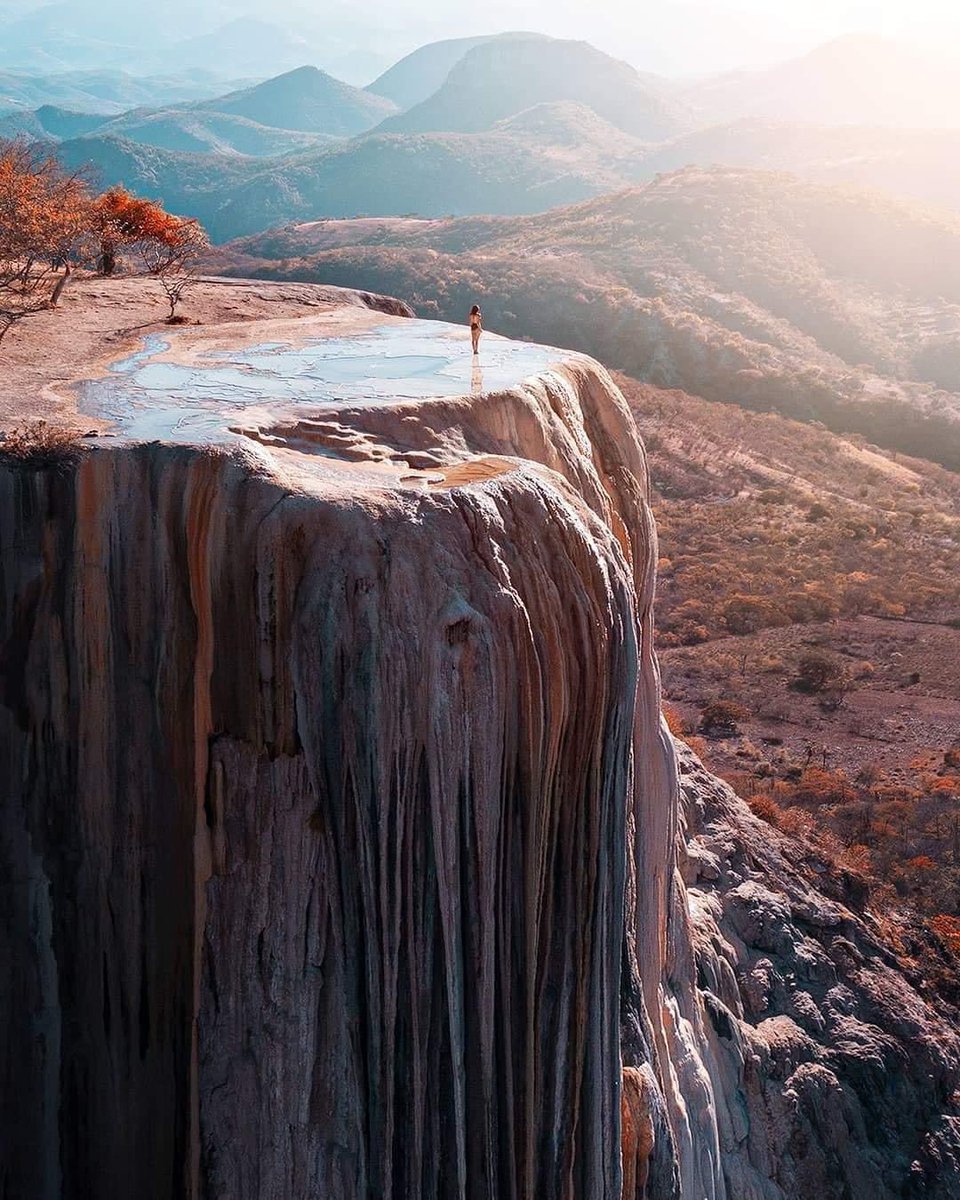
475, 310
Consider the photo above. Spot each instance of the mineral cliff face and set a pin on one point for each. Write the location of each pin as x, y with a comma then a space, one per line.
339, 837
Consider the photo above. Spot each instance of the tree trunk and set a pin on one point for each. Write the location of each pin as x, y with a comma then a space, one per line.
61, 284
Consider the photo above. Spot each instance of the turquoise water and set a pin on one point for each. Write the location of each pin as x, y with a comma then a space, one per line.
148, 400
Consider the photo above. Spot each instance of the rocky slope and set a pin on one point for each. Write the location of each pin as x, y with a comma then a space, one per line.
834, 1075
340, 839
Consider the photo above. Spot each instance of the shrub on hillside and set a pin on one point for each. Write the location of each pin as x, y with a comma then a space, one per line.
748, 614
946, 929
817, 512
765, 807
818, 673
675, 722
722, 718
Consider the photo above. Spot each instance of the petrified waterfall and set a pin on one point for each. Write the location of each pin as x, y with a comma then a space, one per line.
319, 792
342, 852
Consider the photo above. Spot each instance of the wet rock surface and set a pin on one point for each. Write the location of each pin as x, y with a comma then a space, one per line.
103, 321
205, 394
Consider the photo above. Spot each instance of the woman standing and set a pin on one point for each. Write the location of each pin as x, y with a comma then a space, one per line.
476, 327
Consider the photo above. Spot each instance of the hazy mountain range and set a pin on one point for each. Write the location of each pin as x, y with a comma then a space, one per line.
510, 124
357, 42
499, 78
850, 81
108, 92
233, 38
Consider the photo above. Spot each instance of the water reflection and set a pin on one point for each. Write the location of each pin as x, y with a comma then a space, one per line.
193, 402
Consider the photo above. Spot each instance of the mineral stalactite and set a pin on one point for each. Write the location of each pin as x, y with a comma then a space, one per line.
339, 836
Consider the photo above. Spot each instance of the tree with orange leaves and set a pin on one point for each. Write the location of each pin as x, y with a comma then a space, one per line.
168, 246
45, 216
50, 223
123, 221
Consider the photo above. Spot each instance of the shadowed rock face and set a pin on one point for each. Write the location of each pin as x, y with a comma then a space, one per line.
339, 840
317, 800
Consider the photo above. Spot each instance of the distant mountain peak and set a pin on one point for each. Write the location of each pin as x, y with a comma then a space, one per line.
419, 74
304, 73
306, 99
501, 77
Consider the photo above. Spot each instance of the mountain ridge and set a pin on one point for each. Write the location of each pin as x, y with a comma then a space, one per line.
501, 77
305, 100
417, 75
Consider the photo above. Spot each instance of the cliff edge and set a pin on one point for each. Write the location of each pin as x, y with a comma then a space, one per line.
342, 847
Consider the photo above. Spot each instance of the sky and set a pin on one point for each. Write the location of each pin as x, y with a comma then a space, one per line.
672, 37
689, 36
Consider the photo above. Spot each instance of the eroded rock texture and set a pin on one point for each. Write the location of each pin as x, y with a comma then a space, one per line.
339, 844
315, 808
834, 1077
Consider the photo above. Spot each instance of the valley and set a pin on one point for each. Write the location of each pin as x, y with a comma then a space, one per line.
809, 630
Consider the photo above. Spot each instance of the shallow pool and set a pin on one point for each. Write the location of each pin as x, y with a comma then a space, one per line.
148, 399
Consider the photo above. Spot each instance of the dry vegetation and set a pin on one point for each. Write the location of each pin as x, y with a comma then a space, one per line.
809, 614
40, 445
51, 223
768, 523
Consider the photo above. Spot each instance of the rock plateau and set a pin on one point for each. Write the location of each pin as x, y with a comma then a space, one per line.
343, 850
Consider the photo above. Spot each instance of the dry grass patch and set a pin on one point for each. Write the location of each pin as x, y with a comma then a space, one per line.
39, 445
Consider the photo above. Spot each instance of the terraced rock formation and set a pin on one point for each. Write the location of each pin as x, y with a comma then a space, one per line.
339, 841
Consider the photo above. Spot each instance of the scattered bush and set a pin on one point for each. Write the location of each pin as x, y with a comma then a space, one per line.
857, 858
697, 745
722, 718
748, 614
675, 722
797, 823
41, 445
818, 673
946, 929
765, 807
